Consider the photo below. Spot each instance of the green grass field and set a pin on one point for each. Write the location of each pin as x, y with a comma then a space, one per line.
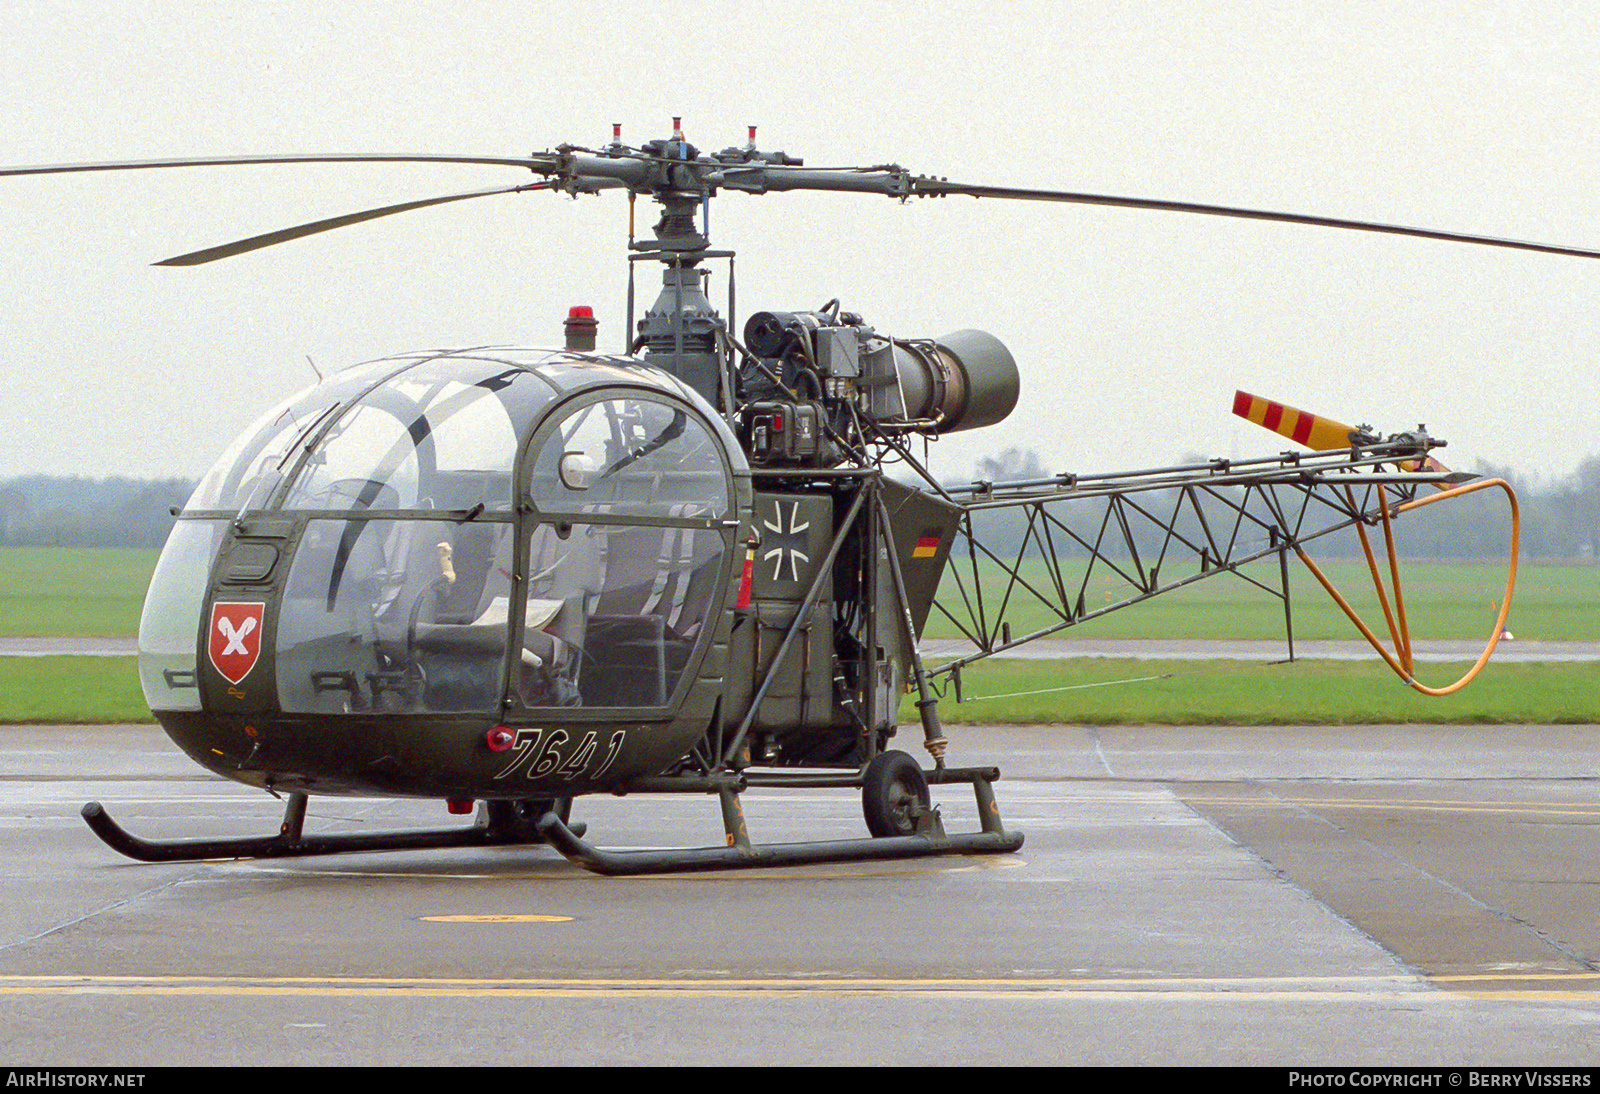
73, 592
1108, 691
71, 689
1086, 691
83, 592
1443, 600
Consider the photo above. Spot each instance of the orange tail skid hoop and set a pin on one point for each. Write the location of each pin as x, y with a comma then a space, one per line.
1401, 660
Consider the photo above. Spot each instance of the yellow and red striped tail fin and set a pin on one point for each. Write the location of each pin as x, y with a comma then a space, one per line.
1311, 430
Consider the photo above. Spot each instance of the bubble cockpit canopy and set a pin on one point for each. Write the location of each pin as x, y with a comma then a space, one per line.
453, 532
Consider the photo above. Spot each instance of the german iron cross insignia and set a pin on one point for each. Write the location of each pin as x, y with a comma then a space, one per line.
786, 544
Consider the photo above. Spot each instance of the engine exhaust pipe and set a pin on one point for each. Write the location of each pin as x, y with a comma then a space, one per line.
966, 379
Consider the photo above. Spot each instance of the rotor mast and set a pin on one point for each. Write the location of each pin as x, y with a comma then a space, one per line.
679, 332
682, 332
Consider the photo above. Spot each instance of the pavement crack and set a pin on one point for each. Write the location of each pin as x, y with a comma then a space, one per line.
102, 910
1094, 735
1284, 875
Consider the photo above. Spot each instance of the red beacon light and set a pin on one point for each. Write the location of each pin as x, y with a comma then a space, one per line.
581, 327
499, 739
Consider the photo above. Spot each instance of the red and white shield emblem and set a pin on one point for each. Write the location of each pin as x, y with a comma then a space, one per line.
235, 641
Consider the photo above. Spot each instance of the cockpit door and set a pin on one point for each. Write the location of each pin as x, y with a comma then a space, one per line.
235, 666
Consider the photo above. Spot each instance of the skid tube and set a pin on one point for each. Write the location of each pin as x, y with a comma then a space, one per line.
497, 825
741, 854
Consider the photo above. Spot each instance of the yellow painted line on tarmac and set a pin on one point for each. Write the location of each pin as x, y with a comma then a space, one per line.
496, 918
1408, 804
1192, 989
1466, 977
1278, 997
1529, 996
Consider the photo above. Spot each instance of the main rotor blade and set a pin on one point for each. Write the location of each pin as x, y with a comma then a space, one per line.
283, 235
926, 187
536, 163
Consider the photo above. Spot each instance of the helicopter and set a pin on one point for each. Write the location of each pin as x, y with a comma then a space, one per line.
508, 577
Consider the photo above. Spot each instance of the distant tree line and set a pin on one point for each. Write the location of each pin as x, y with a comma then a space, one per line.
53, 511
1560, 519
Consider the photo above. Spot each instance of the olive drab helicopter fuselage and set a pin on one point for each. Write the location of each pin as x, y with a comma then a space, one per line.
513, 577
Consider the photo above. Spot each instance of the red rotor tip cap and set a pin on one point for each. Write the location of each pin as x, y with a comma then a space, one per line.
459, 806
499, 739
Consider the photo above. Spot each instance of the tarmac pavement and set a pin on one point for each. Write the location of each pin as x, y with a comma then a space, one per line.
1346, 895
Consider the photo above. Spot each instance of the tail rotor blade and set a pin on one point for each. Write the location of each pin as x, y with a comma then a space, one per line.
1314, 431
1302, 427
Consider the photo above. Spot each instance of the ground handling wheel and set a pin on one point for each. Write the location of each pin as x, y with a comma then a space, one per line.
895, 798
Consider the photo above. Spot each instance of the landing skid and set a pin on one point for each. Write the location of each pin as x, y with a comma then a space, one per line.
926, 836
748, 856
916, 831
499, 823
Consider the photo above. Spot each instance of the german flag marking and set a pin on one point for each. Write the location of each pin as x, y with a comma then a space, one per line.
927, 546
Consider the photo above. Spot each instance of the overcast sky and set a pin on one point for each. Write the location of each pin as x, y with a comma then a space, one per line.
1131, 329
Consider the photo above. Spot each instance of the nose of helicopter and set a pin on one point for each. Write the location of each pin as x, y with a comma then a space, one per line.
396, 562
